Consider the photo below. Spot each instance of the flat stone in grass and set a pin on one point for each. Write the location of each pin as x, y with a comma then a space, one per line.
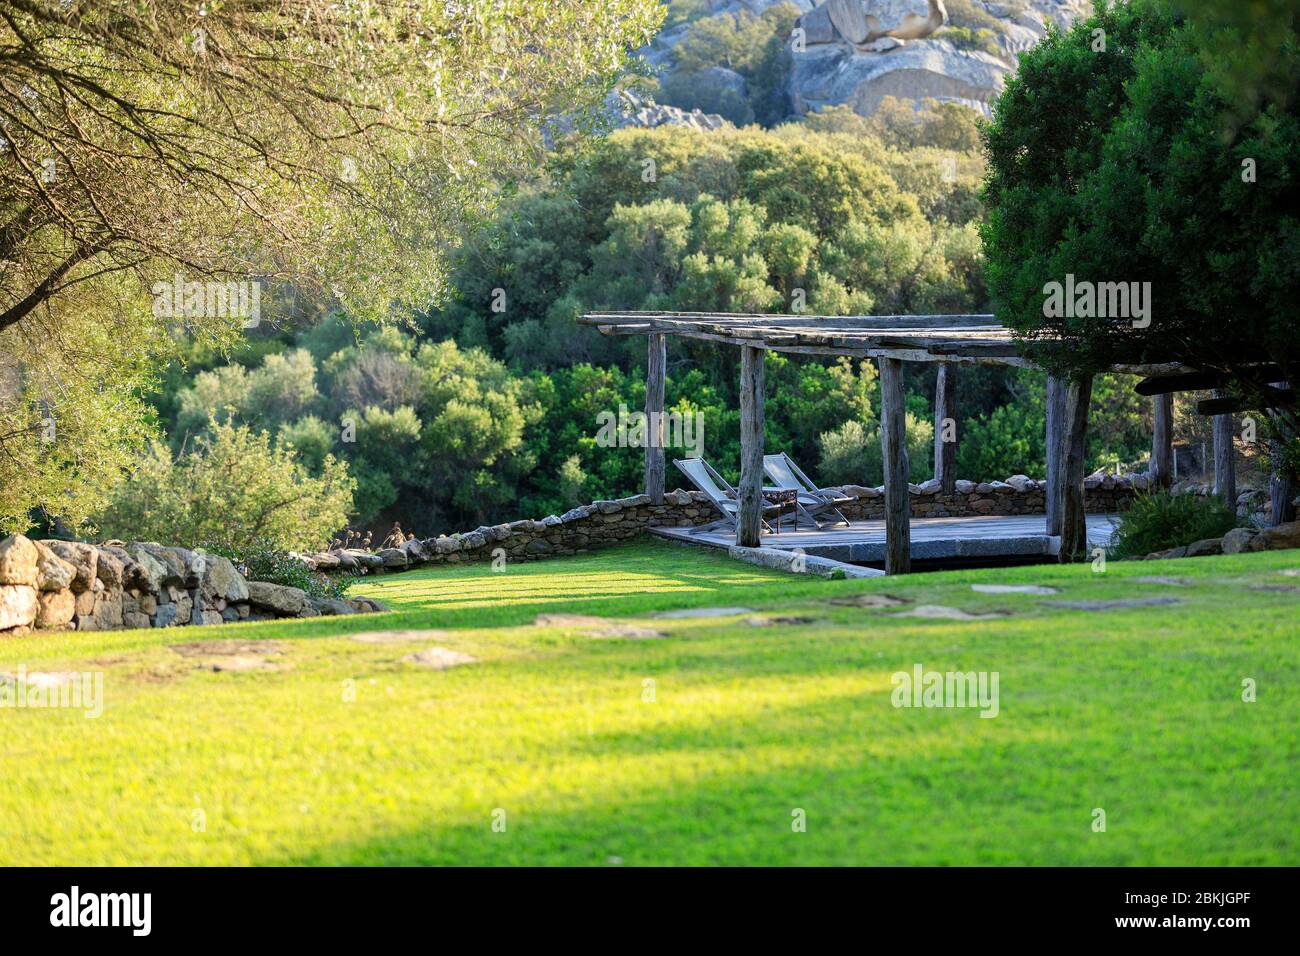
439, 658
786, 620
1013, 589
396, 637
1112, 605
1291, 572
232, 657
1162, 579
705, 612
1275, 587
870, 601
598, 627
939, 612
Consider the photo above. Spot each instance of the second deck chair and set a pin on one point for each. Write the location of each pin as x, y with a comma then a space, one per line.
813, 501
718, 489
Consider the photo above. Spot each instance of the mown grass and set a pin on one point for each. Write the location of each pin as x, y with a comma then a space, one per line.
1135, 711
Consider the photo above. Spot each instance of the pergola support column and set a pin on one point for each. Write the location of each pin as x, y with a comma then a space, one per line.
1162, 441
1282, 490
655, 372
1055, 440
1074, 522
750, 517
1225, 472
945, 429
893, 444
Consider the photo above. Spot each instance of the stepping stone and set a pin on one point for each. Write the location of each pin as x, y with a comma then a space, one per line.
598, 627
231, 657
240, 664
787, 620
1013, 589
870, 600
626, 632
1112, 605
396, 637
1287, 588
569, 620
439, 658
939, 612
1291, 572
706, 612
1161, 579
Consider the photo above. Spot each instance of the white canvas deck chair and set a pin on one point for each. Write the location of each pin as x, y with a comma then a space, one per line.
813, 501
724, 497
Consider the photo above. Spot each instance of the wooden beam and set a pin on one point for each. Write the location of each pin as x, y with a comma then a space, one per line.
1162, 441
1225, 473
1074, 524
1197, 381
656, 366
893, 445
1056, 390
1223, 404
750, 517
945, 429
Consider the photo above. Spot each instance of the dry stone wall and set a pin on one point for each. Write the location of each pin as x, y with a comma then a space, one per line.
602, 523
69, 585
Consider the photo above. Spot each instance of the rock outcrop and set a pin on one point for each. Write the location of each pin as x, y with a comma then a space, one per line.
827, 69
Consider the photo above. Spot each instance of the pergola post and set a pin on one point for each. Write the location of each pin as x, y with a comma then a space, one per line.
656, 365
893, 444
750, 515
1225, 473
1282, 490
1162, 441
945, 412
1074, 520
1055, 439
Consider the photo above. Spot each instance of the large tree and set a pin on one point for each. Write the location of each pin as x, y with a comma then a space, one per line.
1135, 148
338, 146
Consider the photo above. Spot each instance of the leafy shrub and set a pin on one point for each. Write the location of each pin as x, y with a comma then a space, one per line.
261, 560
1160, 521
851, 454
232, 489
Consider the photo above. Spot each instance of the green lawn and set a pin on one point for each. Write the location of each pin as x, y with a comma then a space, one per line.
1136, 711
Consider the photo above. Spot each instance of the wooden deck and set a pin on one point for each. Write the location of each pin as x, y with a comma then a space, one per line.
933, 539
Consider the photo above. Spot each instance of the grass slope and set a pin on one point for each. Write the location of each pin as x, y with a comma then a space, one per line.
1136, 711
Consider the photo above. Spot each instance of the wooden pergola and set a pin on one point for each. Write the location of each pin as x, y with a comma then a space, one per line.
892, 340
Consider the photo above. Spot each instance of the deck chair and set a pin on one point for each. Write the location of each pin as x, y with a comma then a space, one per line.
717, 489
813, 501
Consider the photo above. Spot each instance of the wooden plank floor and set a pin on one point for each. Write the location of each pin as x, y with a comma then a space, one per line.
991, 536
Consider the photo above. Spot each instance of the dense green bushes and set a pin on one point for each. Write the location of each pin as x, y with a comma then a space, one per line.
1160, 521
230, 490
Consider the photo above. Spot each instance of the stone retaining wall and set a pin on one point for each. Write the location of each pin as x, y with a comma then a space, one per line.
602, 523
62, 585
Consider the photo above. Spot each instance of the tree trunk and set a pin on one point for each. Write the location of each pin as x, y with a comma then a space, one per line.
1056, 391
893, 444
